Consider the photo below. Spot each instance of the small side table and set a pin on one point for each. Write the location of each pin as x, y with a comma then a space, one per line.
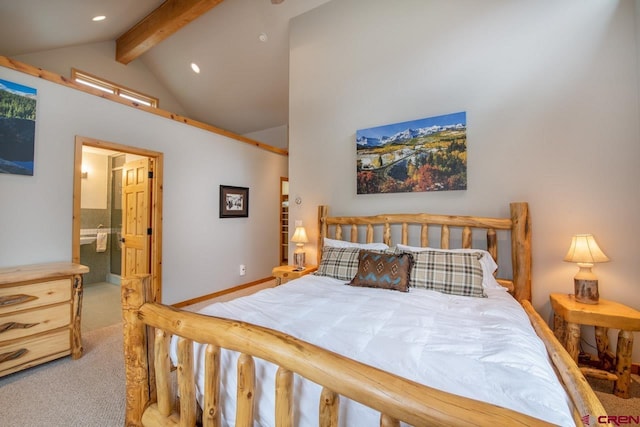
570, 314
284, 273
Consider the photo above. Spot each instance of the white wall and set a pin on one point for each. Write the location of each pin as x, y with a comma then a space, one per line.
99, 59
551, 94
93, 188
277, 136
201, 252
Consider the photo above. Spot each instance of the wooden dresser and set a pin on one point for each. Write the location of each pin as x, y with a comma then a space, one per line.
40, 313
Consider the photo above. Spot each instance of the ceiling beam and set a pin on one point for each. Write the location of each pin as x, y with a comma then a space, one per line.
158, 25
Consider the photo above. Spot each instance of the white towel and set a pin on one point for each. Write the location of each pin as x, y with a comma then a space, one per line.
101, 241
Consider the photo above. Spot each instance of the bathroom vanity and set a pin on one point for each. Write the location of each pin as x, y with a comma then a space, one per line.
40, 314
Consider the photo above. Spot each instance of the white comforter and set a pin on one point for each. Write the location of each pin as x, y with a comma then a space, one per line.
482, 348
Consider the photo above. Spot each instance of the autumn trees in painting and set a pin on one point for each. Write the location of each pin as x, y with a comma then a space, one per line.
421, 155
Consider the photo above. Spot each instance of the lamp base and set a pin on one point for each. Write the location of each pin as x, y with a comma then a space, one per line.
586, 291
298, 261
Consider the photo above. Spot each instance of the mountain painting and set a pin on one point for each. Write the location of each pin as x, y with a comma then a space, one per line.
17, 128
421, 155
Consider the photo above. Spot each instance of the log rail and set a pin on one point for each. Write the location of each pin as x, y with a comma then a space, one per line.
584, 399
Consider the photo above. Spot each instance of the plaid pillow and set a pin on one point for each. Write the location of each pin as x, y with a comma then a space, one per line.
339, 263
448, 272
383, 270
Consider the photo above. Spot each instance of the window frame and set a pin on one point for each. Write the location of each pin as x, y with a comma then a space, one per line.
87, 79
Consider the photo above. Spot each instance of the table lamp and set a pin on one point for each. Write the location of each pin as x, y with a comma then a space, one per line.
585, 252
299, 238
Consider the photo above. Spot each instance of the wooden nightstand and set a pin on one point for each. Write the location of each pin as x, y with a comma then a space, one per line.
570, 314
284, 273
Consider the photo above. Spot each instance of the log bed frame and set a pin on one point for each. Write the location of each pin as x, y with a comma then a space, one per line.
151, 382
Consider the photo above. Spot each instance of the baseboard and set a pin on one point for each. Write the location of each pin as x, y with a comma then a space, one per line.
220, 293
635, 369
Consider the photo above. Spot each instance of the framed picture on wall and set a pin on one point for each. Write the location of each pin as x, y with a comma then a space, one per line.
234, 202
427, 154
17, 128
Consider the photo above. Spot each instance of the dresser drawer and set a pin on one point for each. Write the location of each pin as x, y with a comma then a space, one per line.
23, 297
31, 322
32, 351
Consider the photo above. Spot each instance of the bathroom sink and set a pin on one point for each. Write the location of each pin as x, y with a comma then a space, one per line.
87, 240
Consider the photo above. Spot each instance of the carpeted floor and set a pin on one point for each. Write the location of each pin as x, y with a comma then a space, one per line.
100, 306
88, 392
615, 405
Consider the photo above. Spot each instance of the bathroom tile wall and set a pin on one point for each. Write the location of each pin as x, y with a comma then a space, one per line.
98, 262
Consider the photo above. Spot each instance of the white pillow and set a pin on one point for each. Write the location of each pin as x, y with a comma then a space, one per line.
489, 265
344, 244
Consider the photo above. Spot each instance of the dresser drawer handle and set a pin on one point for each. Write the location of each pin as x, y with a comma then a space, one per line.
15, 325
15, 299
13, 355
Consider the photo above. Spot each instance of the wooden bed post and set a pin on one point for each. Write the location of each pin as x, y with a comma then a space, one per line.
323, 211
135, 292
521, 250
76, 316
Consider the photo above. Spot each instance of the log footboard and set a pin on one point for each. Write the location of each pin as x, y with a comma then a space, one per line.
151, 398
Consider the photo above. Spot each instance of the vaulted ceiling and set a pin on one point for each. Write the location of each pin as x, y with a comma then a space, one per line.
241, 47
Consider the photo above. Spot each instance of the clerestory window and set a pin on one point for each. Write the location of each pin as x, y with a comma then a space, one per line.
115, 89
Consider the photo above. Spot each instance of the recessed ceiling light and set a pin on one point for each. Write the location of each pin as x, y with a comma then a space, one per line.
98, 18
195, 68
263, 37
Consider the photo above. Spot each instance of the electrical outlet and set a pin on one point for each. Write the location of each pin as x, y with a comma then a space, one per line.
243, 269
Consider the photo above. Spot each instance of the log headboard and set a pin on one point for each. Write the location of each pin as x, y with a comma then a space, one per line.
389, 226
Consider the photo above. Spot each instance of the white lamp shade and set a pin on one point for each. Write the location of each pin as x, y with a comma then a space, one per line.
300, 235
585, 250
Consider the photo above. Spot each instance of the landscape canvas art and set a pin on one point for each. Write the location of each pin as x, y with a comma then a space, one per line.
17, 128
427, 154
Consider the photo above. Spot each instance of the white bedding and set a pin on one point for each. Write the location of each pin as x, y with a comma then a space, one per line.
482, 348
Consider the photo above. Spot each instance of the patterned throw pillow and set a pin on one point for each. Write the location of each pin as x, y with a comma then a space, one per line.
339, 263
383, 270
448, 272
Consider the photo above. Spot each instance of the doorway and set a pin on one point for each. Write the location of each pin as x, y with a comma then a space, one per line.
152, 210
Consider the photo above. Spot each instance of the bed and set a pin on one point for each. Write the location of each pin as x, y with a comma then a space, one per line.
316, 351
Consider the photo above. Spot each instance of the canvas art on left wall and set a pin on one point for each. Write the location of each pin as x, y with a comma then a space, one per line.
17, 128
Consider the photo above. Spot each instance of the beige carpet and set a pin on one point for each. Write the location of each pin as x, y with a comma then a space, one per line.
615, 405
88, 392
100, 306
